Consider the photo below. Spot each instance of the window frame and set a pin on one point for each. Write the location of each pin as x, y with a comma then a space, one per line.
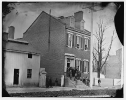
86, 72
71, 45
29, 73
30, 54
80, 36
78, 59
86, 38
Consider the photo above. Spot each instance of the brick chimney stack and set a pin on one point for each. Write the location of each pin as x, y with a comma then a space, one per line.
79, 22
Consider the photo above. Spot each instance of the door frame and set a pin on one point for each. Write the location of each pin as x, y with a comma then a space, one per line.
16, 77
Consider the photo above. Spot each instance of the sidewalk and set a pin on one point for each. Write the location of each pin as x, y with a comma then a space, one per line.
38, 89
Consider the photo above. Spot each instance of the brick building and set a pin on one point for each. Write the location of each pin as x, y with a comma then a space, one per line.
62, 41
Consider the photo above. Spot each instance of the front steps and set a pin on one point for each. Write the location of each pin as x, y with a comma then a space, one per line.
75, 84
80, 84
69, 82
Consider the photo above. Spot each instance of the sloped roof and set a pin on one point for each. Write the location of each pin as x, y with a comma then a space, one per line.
58, 19
20, 46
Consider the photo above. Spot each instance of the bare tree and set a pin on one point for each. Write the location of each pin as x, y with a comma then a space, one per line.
99, 56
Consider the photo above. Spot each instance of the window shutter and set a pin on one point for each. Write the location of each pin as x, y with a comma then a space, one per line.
82, 66
75, 64
88, 44
73, 40
66, 39
88, 66
83, 43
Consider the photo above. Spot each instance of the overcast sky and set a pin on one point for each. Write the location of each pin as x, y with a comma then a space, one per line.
28, 12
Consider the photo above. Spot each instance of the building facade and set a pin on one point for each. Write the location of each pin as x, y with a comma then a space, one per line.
21, 63
63, 43
114, 65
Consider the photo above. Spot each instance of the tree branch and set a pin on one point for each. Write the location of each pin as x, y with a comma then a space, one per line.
108, 50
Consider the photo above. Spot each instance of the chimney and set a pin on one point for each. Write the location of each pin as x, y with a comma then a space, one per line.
79, 22
78, 16
11, 32
69, 21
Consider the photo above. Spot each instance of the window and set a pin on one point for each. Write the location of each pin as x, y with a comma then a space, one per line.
70, 62
70, 38
78, 38
77, 64
29, 55
86, 44
86, 66
29, 73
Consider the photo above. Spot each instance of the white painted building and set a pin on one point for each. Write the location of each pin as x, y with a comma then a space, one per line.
22, 63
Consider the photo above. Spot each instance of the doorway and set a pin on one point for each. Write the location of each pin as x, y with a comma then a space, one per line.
69, 63
16, 77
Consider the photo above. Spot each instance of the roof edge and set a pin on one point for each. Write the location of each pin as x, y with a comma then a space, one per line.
39, 16
19, 51
18, 41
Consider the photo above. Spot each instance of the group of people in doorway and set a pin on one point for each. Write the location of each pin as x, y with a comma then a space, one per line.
71, 72
74, 72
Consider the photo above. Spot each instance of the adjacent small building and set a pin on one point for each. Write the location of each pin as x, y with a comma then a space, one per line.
21, 62
114, 65
62, 41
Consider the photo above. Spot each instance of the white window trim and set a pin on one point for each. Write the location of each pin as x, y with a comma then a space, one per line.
79, 59
72, 39
79, 35
88, 43
83, 66
68, 54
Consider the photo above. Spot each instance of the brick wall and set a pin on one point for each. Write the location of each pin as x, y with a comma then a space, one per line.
52, 56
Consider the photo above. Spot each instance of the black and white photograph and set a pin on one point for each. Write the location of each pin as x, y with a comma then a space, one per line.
64, 49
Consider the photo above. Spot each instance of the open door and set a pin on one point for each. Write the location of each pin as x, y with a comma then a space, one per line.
16, 77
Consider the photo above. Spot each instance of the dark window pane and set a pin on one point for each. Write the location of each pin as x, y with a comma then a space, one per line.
29, 73
29, 55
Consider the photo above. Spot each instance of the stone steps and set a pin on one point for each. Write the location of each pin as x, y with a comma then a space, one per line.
72, 83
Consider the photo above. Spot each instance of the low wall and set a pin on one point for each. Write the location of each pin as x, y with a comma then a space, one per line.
107, 82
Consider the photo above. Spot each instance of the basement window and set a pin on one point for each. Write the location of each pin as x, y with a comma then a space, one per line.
29, 55
29, 73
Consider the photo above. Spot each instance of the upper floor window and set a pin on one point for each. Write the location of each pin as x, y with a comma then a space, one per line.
70, 39
86, 45
29, 55
78, 39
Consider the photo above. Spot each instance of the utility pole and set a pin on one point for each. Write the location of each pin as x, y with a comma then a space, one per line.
91, 48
